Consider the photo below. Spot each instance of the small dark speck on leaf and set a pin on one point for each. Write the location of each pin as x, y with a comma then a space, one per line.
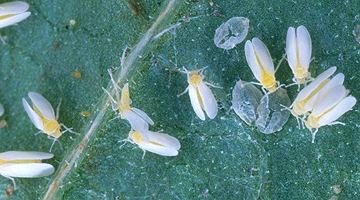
3, 123
76, 74
85, 114
9, 191
56, 45
135, 7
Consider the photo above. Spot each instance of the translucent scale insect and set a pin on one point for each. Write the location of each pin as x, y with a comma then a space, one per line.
298, 51
24, 164
201, 97
137, 118
42, 115
13, 12
260, 62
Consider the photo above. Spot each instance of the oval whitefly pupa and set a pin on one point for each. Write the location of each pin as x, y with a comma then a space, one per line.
271, 114
245, 100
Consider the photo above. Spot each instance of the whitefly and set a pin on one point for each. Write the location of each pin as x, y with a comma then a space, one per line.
245, 101
231, 32
271, 114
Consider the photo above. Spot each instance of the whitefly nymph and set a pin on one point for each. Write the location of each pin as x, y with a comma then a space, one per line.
43, 116
13, 12
201, 97
24, 164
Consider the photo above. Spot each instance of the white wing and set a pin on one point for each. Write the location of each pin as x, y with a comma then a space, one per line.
345, 105
317, 98
196, 102
163, 151
329, 100
209, 101
306, 91
35, 119
13, 8
291, 47
42, 104
136, 122
143, 115
26, 170
25, 155
163, 139
337, 80
14, 19
251, 60
264, 55
304, 45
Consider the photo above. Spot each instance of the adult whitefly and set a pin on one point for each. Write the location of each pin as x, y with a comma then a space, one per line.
155, 142
305, 100
201, 97
261, 64
271, 114
121, 103
329, 106
13, 12
298, 52
231, 32
43, 116
245, 100
24, 164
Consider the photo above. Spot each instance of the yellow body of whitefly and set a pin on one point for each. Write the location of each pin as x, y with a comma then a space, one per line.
301, 75
137, 137
268, 81
51, 126
299, 106
6, 16
313, 122
125, 101
18, 161
195, 79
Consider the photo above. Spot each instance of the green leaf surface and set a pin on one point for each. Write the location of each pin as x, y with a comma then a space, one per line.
221, 158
